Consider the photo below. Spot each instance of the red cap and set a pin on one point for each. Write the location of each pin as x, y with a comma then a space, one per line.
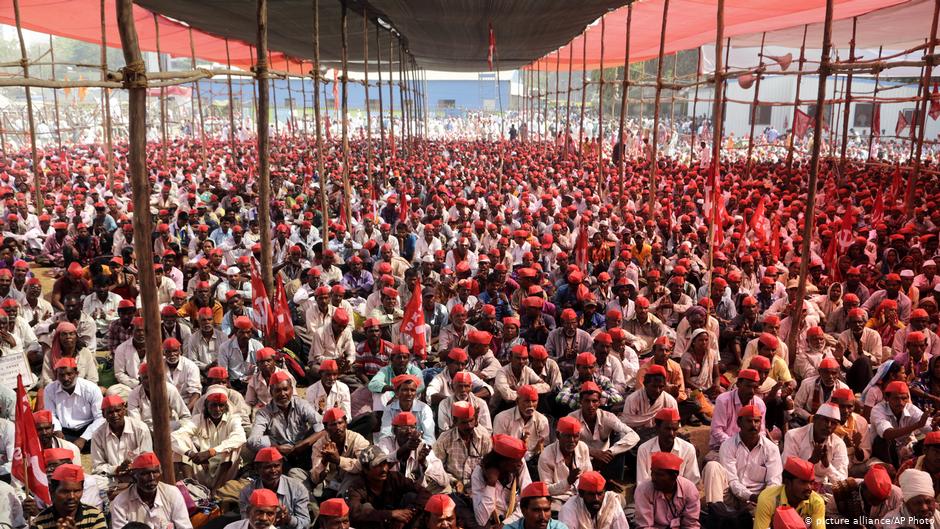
438, 504
786, 517
42, 417
800, 468
592, 481
401, 379
749, 411
569, 425
458, 355
667, 414
666, 461
57, 454
405, 418
479, 337
586, 359
655, 369
340, 316
569, 315
171, 343
463, 377
333, 414
769, 341
842, 394
268, 455
267, 498
590, 387
66, 362
264, 353
749, 374
243, 323
169, 310
527, 392
897, 387
878, 482
111, 401
760, 362
217, 372
145, 460
277, 377
68, 472
828, 363
462, 410
509, 446
538, 352
328, 365
536, 489
933, 438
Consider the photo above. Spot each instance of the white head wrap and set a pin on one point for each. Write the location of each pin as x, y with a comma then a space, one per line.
915, 483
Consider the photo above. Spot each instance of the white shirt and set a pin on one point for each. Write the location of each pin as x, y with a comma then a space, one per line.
127, 363
168, 511
799, 443
750, 471
185, 377
203, 351
510, 422
338, 397
138, 406
680, 447
883, 419
76, 410
108, 451
554, 472
488, 499
103, 312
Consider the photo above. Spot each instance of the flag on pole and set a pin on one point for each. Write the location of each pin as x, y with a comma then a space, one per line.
261, 303
878, 210
28, 465
876, 120
491, 49
284, 327
581, 246
934, 111
412, 323
759, 222
801, 123
902, 123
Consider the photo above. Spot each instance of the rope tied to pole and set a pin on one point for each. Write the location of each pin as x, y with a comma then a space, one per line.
134, 75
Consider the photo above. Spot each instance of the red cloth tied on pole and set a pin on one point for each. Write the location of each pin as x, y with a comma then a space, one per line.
934, 111
491, 49
28, 465
876, 120
801, 123
283, 331
261, 303
581, 247
902, 123
412, 323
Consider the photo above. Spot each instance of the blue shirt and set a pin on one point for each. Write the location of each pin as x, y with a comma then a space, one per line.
520, 524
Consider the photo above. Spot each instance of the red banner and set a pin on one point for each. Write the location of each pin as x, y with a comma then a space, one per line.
260, 302
801, 123
934, 111
902, 124
876, 120
412, 323
283, 331
28, 465
491, 49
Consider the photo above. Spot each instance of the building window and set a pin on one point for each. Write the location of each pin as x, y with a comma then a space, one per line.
827, 114
762, 115
863, 114
444, 104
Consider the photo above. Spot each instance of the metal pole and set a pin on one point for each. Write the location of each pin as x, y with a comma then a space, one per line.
557, 68
55, 95
303, 95
760, 72
848, 98
600, 110
202, 121
391, 97
135, 79
321, 172
583, 99
625, 87
922, 115
24, 60
264, 169
273, 97
654, 165
290, 100
809, 218
874, 107
796, 99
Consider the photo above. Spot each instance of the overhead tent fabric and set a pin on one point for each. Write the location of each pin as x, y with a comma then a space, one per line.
692, 23
441, 34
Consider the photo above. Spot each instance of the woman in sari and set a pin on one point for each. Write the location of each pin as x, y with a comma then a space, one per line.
67, 343
874, 392
829, 302
700, 371
886, 322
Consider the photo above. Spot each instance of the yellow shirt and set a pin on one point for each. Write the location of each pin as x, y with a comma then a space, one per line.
773, 497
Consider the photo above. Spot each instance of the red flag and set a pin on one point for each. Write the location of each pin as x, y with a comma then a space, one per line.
902, 123
775, 240
831, 259
412, 323
801, 123
934, 111
876, 120
491, 49
759, 222
260, 302
335, 93
895, 184
846, 236
326, 126
28, 465
402, 206
581, 247
284, 327
878, 211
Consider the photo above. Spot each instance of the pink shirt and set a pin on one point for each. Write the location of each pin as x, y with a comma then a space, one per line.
653, 510
725, 417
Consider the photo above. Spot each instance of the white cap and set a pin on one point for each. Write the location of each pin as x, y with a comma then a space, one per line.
232, 270
929, 262
915, 483
907, 273
827, 409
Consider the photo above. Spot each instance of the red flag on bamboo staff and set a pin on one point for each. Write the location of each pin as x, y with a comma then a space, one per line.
581, 246
801, 123
876, 120
934, 111
28, 465
412, 323
878, 210
335, 92
902, 123
402, 206
895, 188
261, 303
283, 331
491, 48
775, 240
759, 222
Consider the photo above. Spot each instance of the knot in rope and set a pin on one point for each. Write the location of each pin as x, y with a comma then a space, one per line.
135, 75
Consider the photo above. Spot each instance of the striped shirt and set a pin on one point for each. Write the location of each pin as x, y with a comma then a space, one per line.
86, 517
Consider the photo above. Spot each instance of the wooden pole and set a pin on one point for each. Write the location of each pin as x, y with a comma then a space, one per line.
202, 119
698, 75
567, 131
403, 96
600, 111
809, 218
163, 132
654, 165
345, 105
290, 100
922, 115
538, 98
378, 56
391, 97
365, 63
24, 61
624, 88
584, 86
273, 97
303, 95
557, 75
848, 98
55, 95
135, 79
874, 107
264, 169
672, 94
754, 107
231, 102
321, 171
717, 122
796, 99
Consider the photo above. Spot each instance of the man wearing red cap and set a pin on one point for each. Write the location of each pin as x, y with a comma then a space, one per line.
259, 392
182, 372
818, 443
892, 291
117, 443
329, 391
461, 385
75, 403
854, 432
334, 456
644, 327
263, 511
862, 350
208, 445
667, 440
597, 430
725, 417
592, 507
138, 402
66, 485
461, 447
929, 462
441, 386
400, 364
380, 497
586, 371
562, 462
515, 374
206, 339
895, 421
406, 400
54, 458
797, 492
495, 484
919, 323
565, 342
641, 406
457, 330
101, 304
149, 500
412, 456
873, 497
238, 353
814, 391
292, 494
333, 341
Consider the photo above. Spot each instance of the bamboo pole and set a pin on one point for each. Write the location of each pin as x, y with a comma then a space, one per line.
625, 87
231, 102
264, 169
163, 110
391, 99
654, 165
568, 102
754, 105
698, 74
557, 75
922, 115
290, 102
875, 107
321, 172
600, 111
402, 97
848, 99
273, 98
796, 99
55, 95
365, 62
37, 178
303, 95
345, 109
809, 218
202, 119
717, 122
136, 83
378, 55
583, 100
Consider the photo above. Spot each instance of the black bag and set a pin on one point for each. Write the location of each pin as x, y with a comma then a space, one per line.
720, 516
